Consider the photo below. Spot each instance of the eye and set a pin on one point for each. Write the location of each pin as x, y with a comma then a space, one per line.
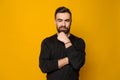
59, 20
67, 20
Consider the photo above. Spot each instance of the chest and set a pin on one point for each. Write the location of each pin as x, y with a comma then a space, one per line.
57, 50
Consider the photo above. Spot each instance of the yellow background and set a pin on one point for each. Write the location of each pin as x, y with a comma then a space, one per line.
25, 23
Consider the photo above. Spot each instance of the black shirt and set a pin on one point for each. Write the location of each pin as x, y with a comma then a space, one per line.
52, 50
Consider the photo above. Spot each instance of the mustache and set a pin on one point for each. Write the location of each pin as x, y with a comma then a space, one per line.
63, 27
65, 30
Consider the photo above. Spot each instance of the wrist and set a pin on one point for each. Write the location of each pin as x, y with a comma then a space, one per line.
67, 42
67, 61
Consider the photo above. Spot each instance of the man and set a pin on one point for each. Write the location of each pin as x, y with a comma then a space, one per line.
62, 54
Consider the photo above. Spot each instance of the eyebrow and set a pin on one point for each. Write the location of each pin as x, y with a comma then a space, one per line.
62, 19
59, 19
67, 20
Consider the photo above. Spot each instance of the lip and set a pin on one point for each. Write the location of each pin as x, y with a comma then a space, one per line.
62, 28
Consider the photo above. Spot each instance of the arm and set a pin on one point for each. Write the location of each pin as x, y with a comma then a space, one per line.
48, 65
45, 63
76, 52
62, 62
76, 55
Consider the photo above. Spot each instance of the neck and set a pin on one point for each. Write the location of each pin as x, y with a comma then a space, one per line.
66, 34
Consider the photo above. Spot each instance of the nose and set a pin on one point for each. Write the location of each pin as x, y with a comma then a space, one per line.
63, 23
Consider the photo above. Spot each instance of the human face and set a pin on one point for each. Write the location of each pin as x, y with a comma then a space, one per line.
63, 22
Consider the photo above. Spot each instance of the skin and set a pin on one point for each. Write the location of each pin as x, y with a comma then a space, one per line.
63, 23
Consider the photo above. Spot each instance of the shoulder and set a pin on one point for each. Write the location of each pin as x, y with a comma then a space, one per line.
76, 38
77, 41
49, 39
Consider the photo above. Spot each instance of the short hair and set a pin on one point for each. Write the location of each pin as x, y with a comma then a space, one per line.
62, 10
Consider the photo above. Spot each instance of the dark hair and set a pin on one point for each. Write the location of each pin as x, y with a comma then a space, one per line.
62, 10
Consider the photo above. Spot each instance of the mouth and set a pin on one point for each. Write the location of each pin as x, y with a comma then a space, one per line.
62, 28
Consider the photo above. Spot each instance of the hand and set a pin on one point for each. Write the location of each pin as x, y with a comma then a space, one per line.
63, 37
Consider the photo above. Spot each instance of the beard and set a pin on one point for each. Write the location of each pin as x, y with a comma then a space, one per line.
65, 30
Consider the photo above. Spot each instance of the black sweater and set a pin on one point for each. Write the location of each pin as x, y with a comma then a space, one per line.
52, 50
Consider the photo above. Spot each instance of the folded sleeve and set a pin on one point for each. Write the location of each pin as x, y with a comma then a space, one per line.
76, 54
45, 63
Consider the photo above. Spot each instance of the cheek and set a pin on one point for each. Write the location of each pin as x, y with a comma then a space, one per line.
68, 25
58, 24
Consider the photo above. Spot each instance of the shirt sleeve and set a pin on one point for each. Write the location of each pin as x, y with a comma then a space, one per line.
76, 54
45, 63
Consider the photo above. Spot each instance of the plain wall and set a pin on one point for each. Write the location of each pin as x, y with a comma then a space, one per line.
25, 23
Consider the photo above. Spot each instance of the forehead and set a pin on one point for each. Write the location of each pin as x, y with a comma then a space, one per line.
65, 15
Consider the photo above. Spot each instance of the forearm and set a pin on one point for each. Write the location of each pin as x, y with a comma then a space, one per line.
76, 57
62, 62
48, 65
